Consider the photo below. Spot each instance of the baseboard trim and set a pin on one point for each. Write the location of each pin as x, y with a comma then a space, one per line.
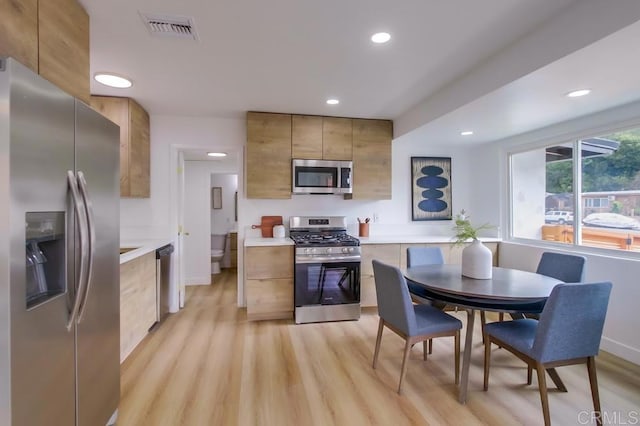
620, 350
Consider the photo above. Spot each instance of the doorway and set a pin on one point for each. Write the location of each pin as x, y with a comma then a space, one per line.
194, 205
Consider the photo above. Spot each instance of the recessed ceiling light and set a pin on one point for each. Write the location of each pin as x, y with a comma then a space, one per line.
216, 154
381, 37
466, 133
333, 101
578, 93
112, 80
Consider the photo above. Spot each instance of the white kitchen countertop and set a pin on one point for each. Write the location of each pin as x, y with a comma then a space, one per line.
141, 247
416, 239
260, 242
381, 239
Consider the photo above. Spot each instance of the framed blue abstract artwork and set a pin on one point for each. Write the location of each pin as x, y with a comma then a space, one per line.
431, 188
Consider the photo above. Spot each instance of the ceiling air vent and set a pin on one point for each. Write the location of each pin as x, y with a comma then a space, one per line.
170, 26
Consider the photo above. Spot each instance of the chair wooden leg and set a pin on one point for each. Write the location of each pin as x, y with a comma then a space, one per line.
556, 379
595, 395
430, 346
483, 321
425, 348
378, 340
456, 355
529, 374
544, 399
487, 361
403, 370
501, 316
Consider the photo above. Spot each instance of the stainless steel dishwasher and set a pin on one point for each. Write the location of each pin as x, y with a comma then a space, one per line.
163, 277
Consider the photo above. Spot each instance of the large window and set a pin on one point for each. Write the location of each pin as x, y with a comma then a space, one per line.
584, 192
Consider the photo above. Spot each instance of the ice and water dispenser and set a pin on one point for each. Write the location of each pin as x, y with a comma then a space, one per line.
45, 248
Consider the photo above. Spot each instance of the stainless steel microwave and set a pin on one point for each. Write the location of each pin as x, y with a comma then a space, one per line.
321, 177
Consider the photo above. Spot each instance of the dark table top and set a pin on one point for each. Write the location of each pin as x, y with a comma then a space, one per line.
507, 287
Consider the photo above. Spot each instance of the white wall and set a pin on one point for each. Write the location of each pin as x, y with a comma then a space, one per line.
223, 220
529, 184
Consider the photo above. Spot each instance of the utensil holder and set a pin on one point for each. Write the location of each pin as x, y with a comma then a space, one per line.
363, 229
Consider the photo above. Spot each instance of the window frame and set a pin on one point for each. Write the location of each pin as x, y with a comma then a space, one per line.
573, 138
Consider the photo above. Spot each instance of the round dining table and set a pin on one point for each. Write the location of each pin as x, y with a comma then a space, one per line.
508, 290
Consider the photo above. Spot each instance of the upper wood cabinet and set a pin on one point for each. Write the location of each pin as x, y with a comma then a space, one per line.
306, 137
63, 46
134, 142
19, 31
321, 138
52, 38
372, 159
274, 139
337, 138
268, 155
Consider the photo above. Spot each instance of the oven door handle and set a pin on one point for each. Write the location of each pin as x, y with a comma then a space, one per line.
326, 259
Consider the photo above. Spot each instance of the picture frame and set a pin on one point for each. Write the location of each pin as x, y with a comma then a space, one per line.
216, 197
431, 188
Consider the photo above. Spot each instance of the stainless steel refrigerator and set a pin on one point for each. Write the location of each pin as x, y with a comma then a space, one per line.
59, 258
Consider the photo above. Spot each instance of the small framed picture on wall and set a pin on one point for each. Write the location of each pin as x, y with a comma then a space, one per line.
431, 188
216, 197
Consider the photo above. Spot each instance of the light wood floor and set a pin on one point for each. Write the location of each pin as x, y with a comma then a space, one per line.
207, 365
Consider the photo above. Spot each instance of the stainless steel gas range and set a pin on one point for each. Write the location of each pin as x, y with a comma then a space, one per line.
327, 269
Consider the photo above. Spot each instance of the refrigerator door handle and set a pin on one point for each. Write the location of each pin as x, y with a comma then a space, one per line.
81, 218
91, 228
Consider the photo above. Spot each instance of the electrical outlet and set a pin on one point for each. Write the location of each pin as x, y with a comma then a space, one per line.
376, 218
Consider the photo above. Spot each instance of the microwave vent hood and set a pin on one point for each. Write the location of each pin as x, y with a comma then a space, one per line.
321, 176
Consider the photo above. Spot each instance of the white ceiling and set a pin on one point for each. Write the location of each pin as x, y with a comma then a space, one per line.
292, 55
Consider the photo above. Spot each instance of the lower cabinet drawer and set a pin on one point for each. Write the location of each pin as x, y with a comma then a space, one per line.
270, 299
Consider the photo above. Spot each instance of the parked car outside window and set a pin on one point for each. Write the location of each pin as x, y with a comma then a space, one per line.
611, 220
558, 216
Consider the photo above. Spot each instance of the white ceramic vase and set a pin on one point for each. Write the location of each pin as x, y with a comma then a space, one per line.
477, 261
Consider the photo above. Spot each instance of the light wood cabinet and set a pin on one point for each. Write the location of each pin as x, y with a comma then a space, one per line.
268, 155
63, 46
137, 301
52, 38
386, 253
134, 142
372, 159
274, 139
306, 137
19, 31
269, 282
321, 138
337, 138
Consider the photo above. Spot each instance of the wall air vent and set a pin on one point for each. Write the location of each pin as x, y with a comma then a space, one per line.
169, 26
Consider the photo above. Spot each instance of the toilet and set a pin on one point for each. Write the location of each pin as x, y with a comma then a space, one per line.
217, 251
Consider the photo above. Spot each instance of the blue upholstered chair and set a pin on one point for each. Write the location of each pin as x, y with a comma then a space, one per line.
565, 267
568, 332
414, 323
417, 256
